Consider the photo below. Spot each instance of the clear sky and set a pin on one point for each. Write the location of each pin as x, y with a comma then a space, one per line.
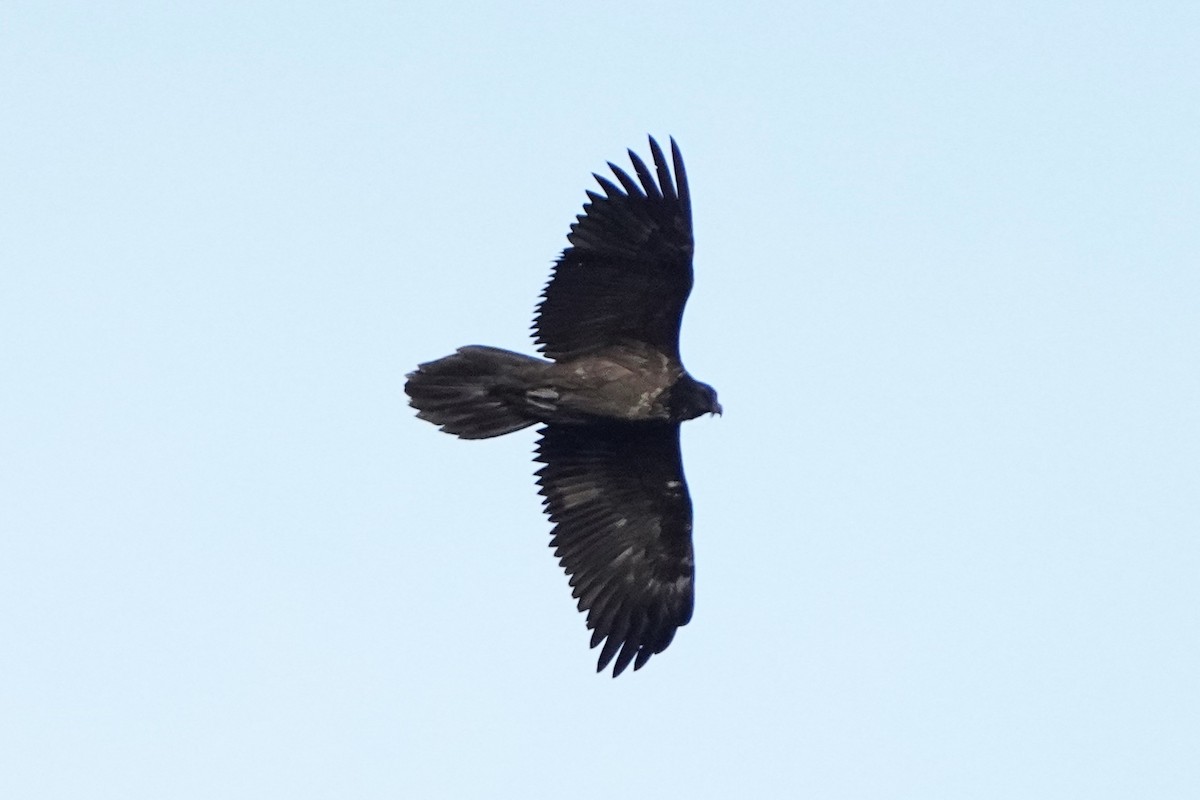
947, 283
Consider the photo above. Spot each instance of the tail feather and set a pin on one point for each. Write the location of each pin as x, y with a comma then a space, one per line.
475, 393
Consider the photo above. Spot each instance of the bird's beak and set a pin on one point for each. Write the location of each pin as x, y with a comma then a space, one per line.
717, 410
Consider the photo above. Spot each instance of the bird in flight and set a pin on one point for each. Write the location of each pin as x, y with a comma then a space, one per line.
610, 400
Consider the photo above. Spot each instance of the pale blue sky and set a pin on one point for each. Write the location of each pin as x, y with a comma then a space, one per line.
947, 282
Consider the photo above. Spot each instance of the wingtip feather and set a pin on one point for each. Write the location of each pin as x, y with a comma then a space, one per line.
631, 186
610, 189
649, 185
681, 181
664, 172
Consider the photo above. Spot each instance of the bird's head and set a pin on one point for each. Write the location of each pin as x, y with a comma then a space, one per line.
690, 398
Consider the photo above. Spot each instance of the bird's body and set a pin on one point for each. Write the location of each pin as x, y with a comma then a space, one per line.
611, 398
628, 383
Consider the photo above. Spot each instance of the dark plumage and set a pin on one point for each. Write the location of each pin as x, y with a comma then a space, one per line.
611, 399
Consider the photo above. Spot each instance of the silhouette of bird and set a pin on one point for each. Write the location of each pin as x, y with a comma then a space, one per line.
610, 398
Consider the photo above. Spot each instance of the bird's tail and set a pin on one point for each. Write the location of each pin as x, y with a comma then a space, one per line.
476, 393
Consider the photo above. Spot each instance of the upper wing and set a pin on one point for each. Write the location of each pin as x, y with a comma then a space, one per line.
628, 271
623, 532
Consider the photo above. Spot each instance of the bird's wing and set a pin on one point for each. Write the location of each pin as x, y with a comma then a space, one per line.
628, 271
623, 532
